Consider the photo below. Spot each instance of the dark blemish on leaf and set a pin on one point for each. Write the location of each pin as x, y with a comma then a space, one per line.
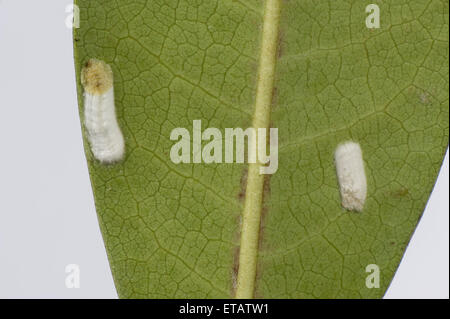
265, 209
266, 187
280, 47
274, 98
402, 192
235, 270
241, 195
237, 236
262, 226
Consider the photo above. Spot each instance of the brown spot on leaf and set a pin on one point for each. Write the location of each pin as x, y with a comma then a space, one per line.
96, 77
241, 195
235, 271
402, 192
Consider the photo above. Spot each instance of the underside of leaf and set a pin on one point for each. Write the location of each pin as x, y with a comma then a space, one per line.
311, 69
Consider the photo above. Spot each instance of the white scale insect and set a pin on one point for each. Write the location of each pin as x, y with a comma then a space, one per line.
103, 131
351, 176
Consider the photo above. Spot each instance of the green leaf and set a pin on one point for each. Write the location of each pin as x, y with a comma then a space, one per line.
176, 230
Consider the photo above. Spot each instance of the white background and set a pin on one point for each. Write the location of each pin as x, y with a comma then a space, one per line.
47, 214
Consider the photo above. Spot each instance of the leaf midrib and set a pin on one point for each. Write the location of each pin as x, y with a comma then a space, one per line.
249, 242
